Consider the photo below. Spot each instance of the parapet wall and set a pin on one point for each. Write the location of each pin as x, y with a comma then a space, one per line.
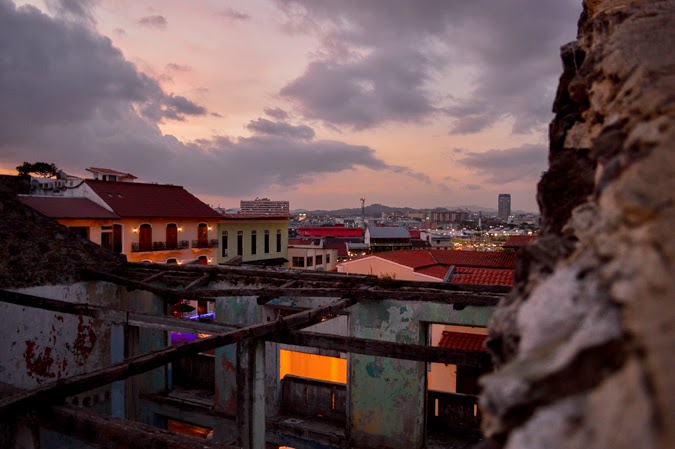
584, 343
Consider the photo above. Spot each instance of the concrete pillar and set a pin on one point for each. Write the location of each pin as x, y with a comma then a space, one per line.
251, 394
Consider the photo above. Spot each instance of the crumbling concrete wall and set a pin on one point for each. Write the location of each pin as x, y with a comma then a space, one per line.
584, 343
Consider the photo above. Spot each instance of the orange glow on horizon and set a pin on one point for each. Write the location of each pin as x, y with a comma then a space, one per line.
313, 366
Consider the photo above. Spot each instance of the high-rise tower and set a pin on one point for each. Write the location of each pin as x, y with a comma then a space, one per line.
504, 206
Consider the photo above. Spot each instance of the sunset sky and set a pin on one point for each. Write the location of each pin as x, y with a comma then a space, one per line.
321, 102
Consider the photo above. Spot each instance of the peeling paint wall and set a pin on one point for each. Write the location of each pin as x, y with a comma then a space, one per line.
39, 346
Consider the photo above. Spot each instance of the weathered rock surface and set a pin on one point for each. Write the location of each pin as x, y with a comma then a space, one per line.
36, 250
585, 342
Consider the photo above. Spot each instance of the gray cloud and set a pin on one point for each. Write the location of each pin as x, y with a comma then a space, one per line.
71, 98
173, 67
378, 61
235, 15
264, 126
520, 164
78, 10
276, 113
472, 187
156, 21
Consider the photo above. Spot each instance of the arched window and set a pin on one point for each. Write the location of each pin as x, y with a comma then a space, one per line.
203, 260
145, 238
171, 236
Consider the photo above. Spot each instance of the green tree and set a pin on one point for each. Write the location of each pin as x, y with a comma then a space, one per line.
43, 169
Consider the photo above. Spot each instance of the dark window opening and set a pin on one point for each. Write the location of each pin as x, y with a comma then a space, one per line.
145, 238
240, 243
117, 238
254, 242
224, 252
267, 242
202, 235
171, 236
298, 262
278, 242
319, 259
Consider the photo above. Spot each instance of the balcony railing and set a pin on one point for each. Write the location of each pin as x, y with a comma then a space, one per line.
160, 246
213, 243
452, 412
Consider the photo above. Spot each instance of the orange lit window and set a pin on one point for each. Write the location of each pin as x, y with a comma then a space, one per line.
313, 366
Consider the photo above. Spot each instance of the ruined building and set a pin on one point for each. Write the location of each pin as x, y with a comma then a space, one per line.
584, 342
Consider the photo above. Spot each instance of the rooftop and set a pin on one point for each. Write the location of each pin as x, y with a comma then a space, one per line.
109, 171
518, 241
462, 340
151, 200
72, 208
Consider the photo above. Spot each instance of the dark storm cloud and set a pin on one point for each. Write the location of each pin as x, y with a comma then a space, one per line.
276, 113
71, 98
80, 10
235, 15
153, 21
379, 60
524, 163
283, 129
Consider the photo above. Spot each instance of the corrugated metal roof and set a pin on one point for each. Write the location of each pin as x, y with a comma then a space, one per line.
68, 208
132, 199
390, 232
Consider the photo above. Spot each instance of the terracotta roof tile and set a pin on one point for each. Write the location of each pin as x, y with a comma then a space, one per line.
478, 259
482, 276
462, 340
72, 208
437, 271
410, 258
133, 199
255, 216
518, 241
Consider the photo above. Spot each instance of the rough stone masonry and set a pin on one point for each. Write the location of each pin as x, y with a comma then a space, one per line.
585, 343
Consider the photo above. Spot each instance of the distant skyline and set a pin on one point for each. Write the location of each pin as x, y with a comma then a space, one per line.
406, 103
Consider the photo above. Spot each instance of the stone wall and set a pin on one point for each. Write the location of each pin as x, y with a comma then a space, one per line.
584, 343
36, 250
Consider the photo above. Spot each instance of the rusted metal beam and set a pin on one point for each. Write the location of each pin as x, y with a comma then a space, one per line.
56, 391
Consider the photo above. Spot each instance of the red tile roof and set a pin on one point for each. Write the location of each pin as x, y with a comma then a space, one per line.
480, 259
482, 276
410, 258
68, 208
109, 171
437, 271
134, 199
462, 340
518, 241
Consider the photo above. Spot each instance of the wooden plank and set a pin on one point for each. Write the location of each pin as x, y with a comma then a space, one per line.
201, 282
108, 432
154, 277
384, 348
52, 392
341, 280
301, 338
147, 320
